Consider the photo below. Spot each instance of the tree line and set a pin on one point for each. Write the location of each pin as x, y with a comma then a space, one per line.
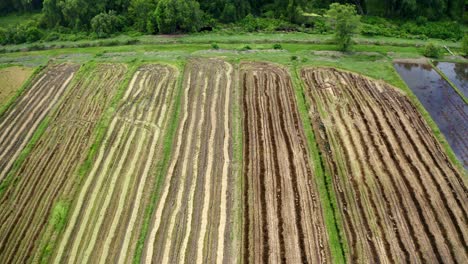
168, 16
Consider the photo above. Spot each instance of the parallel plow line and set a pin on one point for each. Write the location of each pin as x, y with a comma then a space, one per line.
419, 211
18, 124
189, 224
48, 171
112, 197
283, 215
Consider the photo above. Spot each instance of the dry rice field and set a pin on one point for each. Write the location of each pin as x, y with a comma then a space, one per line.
191, 221
109, 208
11, 79
49, 169
400, 197
18, 124
214, 162
283, 216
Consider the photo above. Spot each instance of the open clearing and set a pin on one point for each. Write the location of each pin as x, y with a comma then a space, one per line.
18, 124
50, 168
400, 197
192, 220
283, 215
11, 79
104, 224
225, 160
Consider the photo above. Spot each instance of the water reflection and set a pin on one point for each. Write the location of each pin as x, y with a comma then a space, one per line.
457, 73
445, 106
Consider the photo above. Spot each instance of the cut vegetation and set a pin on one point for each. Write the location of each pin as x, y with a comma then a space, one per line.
283, 214
18, 123
192, 221
104, 224
400, 196
49, 169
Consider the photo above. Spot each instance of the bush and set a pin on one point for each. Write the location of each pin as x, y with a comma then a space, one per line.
33, 34
106, 24
431, 51
294, 58
246, 47
464, 45
53, 36
277, 46
214, 46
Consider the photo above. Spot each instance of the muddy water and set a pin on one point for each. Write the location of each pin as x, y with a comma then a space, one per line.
457, 74
442, 102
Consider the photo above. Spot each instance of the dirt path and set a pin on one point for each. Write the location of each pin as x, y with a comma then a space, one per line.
190, 208
49, 171
283, 221
400, 197
19, 123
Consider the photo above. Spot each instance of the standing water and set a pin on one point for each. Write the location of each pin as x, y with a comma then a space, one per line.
457, 73
445, 106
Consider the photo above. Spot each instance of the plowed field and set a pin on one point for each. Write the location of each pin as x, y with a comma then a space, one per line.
18, 124
50, 168
400, 197
283, 214
104, 224
192, 222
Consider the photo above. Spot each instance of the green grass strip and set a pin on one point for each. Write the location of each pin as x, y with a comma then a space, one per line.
26, 86
442, 74
161, 167
332, 216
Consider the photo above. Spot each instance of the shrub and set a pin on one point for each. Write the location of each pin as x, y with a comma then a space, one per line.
214, 46
3, 36
294, 58
431, 51
465, 45
33, 34
246, 47
277, 46
106, 24
53, 36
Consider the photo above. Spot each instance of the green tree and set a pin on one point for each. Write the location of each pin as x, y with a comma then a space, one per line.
465, 45
178, 16
345, 22
105, 24
141, 14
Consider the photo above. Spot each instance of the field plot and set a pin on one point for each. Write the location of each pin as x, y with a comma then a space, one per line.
11, 79
19, 122
283, 214
400, 197
106, 219
192, 221
50, 168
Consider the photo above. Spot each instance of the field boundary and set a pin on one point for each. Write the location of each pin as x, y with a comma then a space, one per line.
333, 222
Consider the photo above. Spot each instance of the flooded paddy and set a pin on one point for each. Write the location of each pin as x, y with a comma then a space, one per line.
444, 105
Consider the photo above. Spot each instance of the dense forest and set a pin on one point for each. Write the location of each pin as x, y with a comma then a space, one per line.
429, 18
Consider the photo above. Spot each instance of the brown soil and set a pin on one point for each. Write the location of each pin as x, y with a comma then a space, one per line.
105, 222
190, 224
49, 171
18, 124
283, 215
11, 79
400, 197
